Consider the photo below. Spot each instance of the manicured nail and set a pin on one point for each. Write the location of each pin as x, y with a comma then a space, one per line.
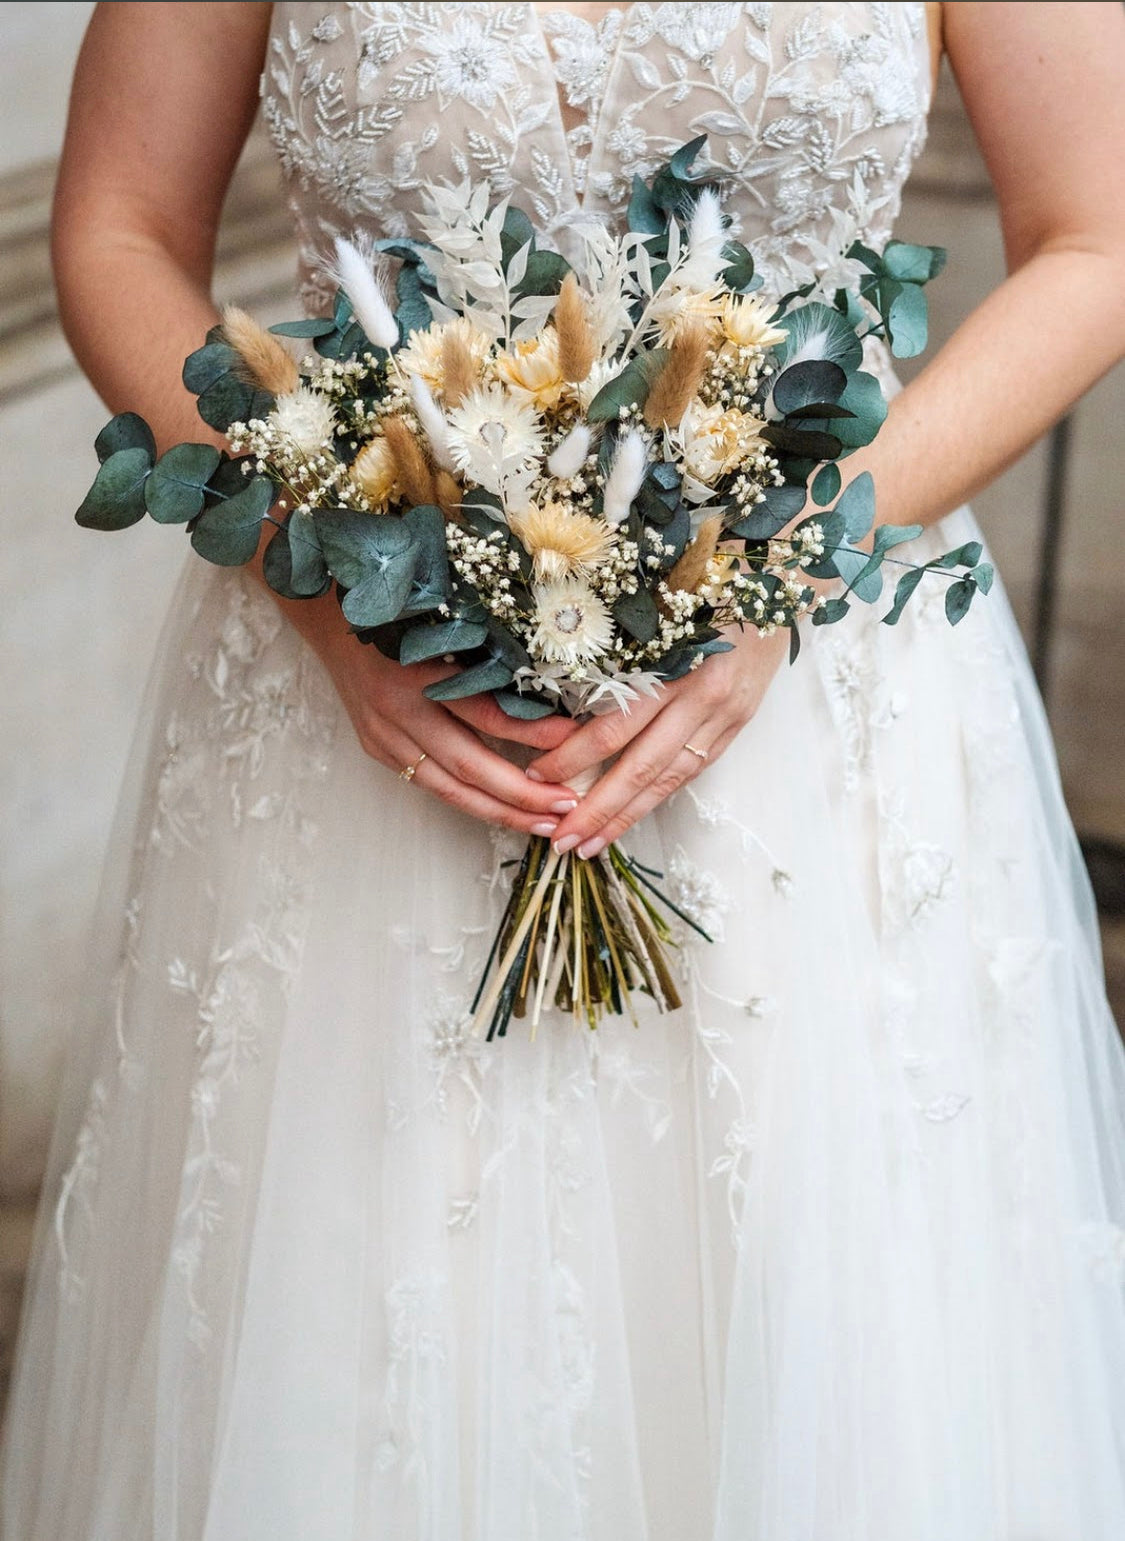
591, 848
533, 775
547, 827
567, 843
564, 807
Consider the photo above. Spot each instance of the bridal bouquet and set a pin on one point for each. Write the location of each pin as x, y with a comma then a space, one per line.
572, 479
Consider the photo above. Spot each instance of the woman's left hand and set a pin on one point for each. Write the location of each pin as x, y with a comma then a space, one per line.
705, 709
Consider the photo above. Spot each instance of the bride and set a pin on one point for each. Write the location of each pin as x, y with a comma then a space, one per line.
834, 1253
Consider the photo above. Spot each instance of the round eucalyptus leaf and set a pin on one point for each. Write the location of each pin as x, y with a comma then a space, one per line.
174, 491
865, 401
228, 533
493, 674
117, 498
524, 708
907, 322
425, 642
230, 400
208, 364
815, 382
826, 484
125, 431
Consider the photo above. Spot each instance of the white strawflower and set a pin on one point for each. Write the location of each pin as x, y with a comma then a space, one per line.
492, 438
572, 623
306, 418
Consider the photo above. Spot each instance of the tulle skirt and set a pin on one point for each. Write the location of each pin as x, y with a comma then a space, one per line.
834, 1253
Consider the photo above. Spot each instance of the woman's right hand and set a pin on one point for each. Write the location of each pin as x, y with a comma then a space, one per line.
397, 725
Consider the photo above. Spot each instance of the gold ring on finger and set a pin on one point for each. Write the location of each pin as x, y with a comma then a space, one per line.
408, 771
700, 754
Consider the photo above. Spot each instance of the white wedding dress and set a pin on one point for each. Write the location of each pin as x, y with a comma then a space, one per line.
835, 1253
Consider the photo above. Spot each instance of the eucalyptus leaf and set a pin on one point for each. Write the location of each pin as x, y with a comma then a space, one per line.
864, 399
773, 513
808, 384
230, 400
831, 611
413, 312
309, 571
826, 484
228, 533
903, 590
117, 498
317, 326
174, 492
430, 583
738, 274
524, 708
637, 614
643, 215
967, 555
906, 319
914, 264
812, 443
356, 545
628, 389
544, 273
857, 506
208, 364
958, 598
861, 572
433, 641
493, 674
888, 535
983, 575
125, 431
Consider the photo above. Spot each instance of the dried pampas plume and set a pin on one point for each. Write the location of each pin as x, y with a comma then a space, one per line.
448, 495
265, 362
576, 337
676, 384
691, 569
412, 470
458, 372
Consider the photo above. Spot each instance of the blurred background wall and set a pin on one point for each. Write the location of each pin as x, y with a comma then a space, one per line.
79, 614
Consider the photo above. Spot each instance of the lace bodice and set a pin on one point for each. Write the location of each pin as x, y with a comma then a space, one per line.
814, 114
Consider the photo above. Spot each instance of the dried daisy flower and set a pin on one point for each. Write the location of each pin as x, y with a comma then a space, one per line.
562, 544
674, 308
747, 322
375, 473
492, 436
426, 355
532, 371
572, 624
718, 440
306, 419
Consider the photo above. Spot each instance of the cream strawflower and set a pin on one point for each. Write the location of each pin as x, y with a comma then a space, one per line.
374, 472
532, 371
562, 544
306, 418
747, 322
572, 623
422, 355
718, 440
671, 309
492, 437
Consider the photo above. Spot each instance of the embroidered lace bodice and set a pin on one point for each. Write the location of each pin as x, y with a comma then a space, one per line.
814, 115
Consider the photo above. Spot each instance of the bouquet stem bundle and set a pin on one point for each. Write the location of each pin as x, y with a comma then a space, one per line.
581, 936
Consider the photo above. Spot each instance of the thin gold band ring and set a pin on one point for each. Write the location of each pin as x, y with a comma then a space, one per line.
700, 754
407, 772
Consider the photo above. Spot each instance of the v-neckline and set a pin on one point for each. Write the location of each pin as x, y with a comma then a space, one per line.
578, 200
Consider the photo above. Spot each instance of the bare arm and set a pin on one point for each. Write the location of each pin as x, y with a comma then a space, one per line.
164, 95
1044, 85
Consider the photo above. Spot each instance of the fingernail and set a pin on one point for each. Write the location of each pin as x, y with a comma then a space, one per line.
533, 775
567, 843
547, 827
591, 848
563, 807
